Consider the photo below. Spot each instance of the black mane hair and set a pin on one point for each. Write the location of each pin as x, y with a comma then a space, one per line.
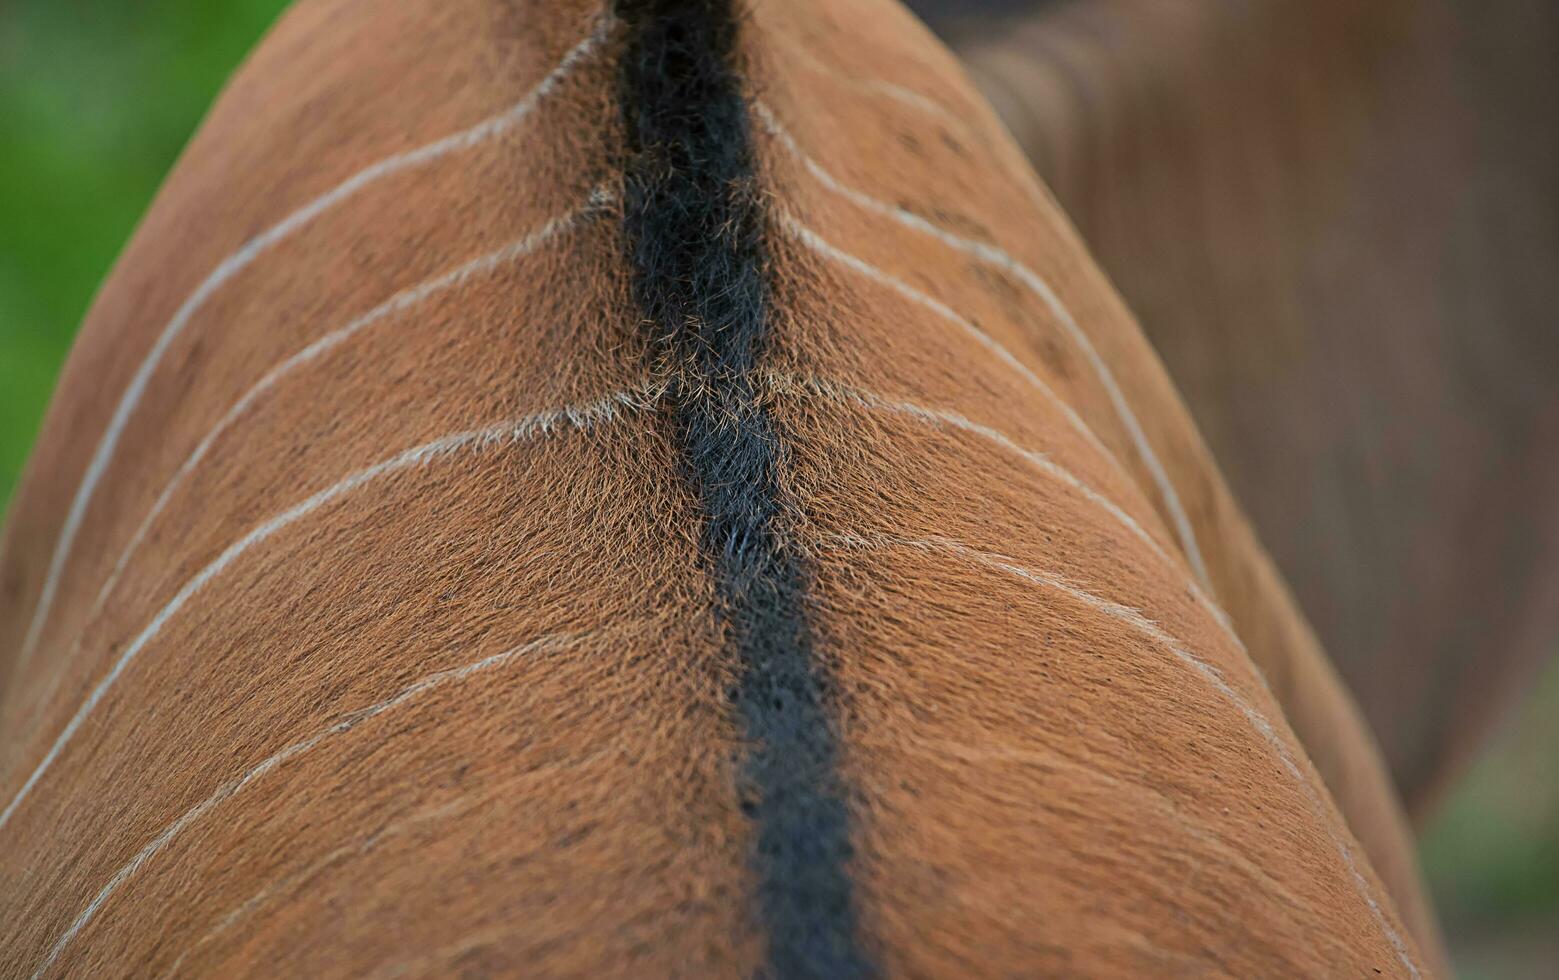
694, 231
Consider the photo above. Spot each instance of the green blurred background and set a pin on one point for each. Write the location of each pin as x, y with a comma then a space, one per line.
97, 97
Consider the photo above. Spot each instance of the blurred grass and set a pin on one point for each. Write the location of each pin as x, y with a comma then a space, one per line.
1492, 851
97, 97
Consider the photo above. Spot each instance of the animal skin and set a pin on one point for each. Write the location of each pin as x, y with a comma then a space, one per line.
1338, 223
654, 491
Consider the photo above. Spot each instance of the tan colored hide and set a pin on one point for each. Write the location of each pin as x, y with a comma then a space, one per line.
384, 642
1338, 222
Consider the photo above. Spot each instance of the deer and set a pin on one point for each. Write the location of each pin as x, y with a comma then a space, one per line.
642, 489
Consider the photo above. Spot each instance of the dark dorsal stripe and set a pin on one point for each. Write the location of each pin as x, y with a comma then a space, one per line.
694, 233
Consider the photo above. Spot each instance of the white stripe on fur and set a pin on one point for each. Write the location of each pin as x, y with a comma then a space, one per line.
396, 304
902, 94
518, 430
993, 256
1142, 624
235, 263
549, 643
940, 417
823, 247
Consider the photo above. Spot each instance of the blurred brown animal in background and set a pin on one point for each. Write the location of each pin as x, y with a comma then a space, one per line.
1338, 223
651, 490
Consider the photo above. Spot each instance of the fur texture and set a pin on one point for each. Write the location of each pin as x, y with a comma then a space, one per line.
694, 233
1338, 222
741, 579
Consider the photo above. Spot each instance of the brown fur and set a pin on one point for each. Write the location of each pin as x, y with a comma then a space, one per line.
1037, 784
1336, 221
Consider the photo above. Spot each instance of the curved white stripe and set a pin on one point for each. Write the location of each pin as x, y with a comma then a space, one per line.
940, 417
991, 255
396, 304
1142, 624
235, 263
499, 792
506, 432
902, 94
823, 247
549, 643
